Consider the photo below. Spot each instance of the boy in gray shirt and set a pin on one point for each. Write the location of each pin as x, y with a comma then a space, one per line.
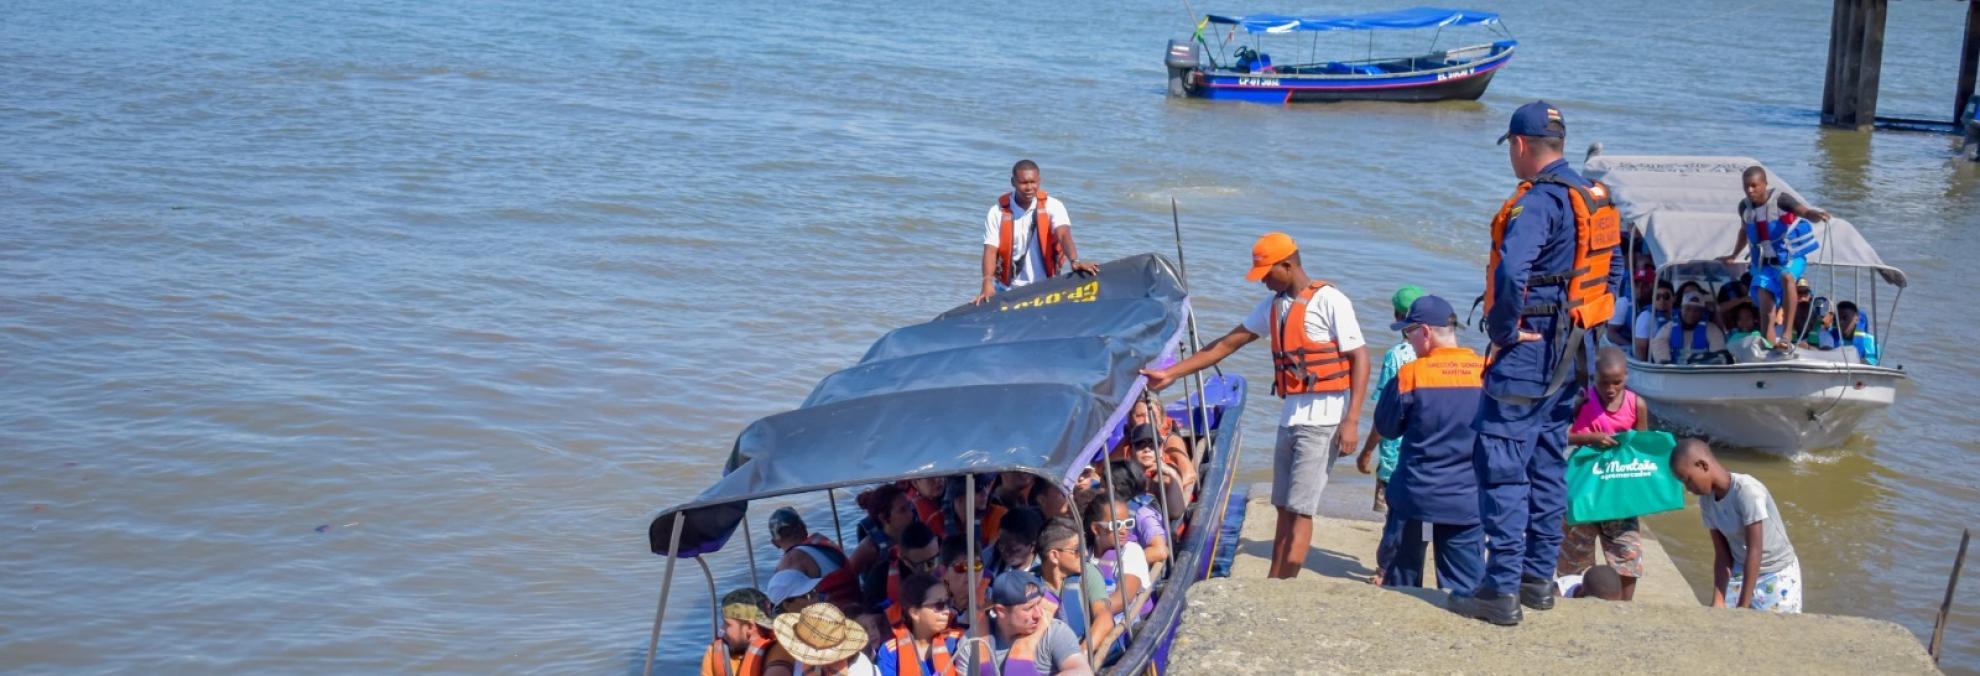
1752, 559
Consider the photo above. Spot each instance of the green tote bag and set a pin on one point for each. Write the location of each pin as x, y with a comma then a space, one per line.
1632, 479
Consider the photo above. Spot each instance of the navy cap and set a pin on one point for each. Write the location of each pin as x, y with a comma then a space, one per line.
1015, 587
1143, 435
1538, 118
1428, 311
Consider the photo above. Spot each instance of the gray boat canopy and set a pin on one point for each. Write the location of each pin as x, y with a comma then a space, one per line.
1685, 209
1033, 380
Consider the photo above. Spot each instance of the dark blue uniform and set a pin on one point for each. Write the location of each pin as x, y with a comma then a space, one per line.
1520, 452
1430, 406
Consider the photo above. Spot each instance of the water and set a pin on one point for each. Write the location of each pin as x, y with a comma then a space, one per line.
367, 336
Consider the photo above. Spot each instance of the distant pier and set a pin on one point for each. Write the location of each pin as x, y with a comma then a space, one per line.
1856, 61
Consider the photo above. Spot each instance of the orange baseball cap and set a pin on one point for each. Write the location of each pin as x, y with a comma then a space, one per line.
1269, 250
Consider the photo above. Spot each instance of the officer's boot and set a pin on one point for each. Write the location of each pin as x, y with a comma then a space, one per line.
1488, 605
1536, 593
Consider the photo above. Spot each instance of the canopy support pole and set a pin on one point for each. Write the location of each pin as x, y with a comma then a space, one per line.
1161, 449
749, 546
1120, 570
715, 603
1198, 416
1086, 585
666, 587
1890, 324
982, 650
838, 531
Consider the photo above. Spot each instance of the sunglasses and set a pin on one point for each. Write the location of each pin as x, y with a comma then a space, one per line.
940, 605
921, 566
1117, 524
963, 566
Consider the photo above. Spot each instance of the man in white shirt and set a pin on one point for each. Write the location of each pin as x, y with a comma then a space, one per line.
1320, 368
1023, 243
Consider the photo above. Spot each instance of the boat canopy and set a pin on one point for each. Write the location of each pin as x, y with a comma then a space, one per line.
1032, 380
1686, 209
1401, 19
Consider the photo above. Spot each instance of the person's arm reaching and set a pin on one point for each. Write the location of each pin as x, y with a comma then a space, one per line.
1215, 352
1348, 433
1755, 544
1739, 245
1069, 252
1794, 206
989, 275
1722, 559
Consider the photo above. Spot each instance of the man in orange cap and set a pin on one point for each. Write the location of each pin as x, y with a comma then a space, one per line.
1320, 368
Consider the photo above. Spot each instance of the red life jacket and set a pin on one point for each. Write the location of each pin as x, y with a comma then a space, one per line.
894, 613
910, 663
1597, 233
1048, 246
1301, 365
839, 587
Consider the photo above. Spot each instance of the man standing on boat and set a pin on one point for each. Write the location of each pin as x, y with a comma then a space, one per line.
1320, 368
1027, 237
1553, 274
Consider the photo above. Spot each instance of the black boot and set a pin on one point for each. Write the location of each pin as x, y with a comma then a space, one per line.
1536, 593
1490, 606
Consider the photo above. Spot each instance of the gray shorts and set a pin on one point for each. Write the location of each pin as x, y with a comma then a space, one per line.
1301, 462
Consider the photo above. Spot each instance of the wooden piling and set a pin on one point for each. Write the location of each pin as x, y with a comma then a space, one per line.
1856, 56
1945, 607
1969, 59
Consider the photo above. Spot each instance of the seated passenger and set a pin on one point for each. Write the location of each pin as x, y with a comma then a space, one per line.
822, 640
888, 513
1120, 561
1855, 332
814, 555
790, 591
1012, 489
915, 552
1160, 475
1150, 530
926, 494
1692, 336
1053, 503
1023, 640
746, 637
960, 573
1652, 319
987, 513
1016, 546
927, 642
1062, 574
1745, 342
1175, 449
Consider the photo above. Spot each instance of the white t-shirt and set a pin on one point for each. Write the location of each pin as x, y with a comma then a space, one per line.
861, 666
1030, 264
1646, 325
1329, 317
1134, 562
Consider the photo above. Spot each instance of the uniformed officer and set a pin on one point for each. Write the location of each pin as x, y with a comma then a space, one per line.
1522, 423
1433, 494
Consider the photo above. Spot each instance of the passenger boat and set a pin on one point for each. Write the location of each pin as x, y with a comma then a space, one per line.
1034, 380
1229, 69
1683, 208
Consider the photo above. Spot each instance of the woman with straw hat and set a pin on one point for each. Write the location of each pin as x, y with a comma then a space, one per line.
823, 641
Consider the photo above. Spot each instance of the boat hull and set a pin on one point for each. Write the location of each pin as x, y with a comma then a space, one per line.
1463, 83
1782, 408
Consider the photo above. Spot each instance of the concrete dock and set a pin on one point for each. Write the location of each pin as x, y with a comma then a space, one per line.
1331, 620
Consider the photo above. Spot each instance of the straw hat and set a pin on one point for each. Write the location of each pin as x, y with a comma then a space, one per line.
820, 635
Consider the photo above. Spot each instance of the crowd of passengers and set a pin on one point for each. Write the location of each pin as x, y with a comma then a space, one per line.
1690, 324
1050, 590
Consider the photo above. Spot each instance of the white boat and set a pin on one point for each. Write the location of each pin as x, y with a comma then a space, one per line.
1683, 208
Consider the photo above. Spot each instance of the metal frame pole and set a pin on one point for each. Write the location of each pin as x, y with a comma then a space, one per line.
714, 601
838, 530
666, 587
981, 648
749, 546
1120, 570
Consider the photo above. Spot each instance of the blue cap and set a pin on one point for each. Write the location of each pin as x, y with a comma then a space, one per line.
1428, 311
1015, 587
1538, 118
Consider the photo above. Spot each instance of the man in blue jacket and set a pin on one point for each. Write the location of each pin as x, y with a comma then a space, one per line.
1430, 406
1522, 422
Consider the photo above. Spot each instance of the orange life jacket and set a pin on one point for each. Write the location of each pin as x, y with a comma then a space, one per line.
1597, 233
752, 661
839, 587
910, 663
895, 614
1301, 365
1048, 246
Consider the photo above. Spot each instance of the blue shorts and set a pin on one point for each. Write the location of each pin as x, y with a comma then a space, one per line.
1768, 277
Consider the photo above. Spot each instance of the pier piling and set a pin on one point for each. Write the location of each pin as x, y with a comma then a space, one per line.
1856, 61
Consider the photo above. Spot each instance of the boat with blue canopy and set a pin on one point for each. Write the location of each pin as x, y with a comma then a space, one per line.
1217, 63
1036, 381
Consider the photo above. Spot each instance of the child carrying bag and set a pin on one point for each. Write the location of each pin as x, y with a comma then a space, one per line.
1632, 479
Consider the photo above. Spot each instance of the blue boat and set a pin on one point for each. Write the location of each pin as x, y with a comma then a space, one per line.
1216, 64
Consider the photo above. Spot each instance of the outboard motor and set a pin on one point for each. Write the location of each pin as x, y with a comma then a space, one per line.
1184, 56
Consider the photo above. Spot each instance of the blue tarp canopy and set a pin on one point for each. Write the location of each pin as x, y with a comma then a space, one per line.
1032, 380
1401, 19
